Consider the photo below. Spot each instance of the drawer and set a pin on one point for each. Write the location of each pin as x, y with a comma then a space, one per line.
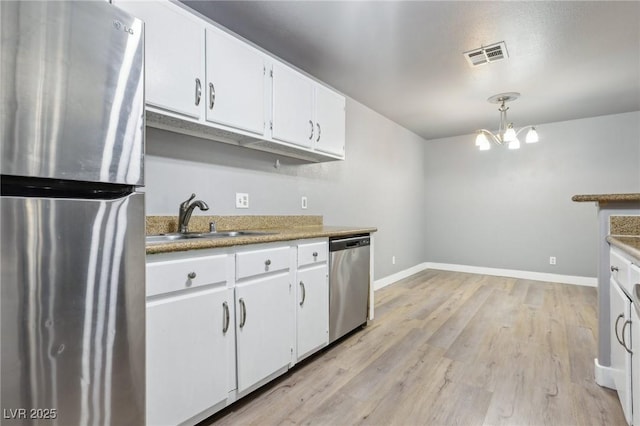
620, 267
173, 275
256, 262
312, 253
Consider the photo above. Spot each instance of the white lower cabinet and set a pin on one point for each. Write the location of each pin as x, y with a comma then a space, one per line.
621, 346
264, 313
190, 338
635, 367
223, 322
264, 318
312, 301
313, 311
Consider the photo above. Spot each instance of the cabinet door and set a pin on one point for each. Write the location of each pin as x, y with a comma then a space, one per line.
235, 82
264, 331
635, 365
292, 107
330, 121
189, 356
621, 359
174, 61
313, 310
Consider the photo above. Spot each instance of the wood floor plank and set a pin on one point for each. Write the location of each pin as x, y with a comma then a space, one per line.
450, 348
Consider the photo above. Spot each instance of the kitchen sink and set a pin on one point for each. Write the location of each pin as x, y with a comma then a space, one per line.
178, 236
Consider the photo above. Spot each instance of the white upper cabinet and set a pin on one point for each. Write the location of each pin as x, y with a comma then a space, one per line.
174, 56
306, 113
293, 107
235, 82
330, 121
203, 81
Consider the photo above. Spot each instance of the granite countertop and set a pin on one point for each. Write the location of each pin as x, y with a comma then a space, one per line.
275, 234
630, 244
605, 198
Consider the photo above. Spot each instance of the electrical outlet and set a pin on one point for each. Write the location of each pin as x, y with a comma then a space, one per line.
393, 260
552, 260
242, 200
304, 202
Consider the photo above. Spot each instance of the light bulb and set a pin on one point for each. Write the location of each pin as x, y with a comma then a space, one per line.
485, 146
532, 136
510, 134
514, 144
481, 139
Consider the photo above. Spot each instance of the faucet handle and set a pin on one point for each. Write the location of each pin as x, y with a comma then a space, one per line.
184, 204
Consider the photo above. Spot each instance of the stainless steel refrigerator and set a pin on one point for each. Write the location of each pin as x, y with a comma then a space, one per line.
72, 217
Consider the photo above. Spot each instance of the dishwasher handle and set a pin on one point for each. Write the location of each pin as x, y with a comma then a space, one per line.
336, 244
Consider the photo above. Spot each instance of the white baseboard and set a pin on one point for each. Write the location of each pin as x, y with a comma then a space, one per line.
603, 375
390, 279
511, 273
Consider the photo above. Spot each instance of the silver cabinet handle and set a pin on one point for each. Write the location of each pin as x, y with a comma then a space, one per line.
191, 275
614, 269
198, 91
624, 342
311, 135
267, 262
243, 313
212, 95
304, 293
319, 132
615, 328
225, 317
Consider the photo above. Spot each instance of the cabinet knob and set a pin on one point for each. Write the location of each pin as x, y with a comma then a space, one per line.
267, 262
614, 269
191, 275
315, 254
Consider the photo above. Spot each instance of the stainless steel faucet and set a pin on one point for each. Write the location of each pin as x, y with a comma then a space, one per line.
186, 208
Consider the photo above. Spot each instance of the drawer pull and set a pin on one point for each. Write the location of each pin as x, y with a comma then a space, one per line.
624, 342
304, 293
191, 275
614, 269
267, 262
243, 313
315, 254
225, 317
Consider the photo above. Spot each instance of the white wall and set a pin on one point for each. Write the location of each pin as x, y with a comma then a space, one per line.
513, 209
380, 184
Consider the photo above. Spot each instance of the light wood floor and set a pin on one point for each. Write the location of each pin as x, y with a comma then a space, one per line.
450, 348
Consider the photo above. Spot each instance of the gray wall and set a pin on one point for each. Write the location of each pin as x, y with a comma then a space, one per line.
513, 209
380, 184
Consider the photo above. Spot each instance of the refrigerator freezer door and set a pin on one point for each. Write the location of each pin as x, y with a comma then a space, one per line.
72, 311
72, 92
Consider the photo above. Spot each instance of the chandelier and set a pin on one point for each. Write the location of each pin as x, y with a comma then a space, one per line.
506, 134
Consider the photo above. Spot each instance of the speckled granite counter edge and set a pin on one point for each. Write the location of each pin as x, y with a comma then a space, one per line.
288, 234
605, 198
628, 244
624, 225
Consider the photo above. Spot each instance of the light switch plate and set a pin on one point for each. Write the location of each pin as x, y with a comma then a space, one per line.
304, 202
242, 200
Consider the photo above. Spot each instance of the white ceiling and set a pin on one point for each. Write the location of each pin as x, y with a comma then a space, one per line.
404, 59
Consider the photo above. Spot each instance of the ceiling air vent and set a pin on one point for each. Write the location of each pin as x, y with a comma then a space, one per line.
492, 53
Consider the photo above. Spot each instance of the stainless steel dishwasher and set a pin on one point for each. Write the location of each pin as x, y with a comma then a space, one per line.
348, 283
